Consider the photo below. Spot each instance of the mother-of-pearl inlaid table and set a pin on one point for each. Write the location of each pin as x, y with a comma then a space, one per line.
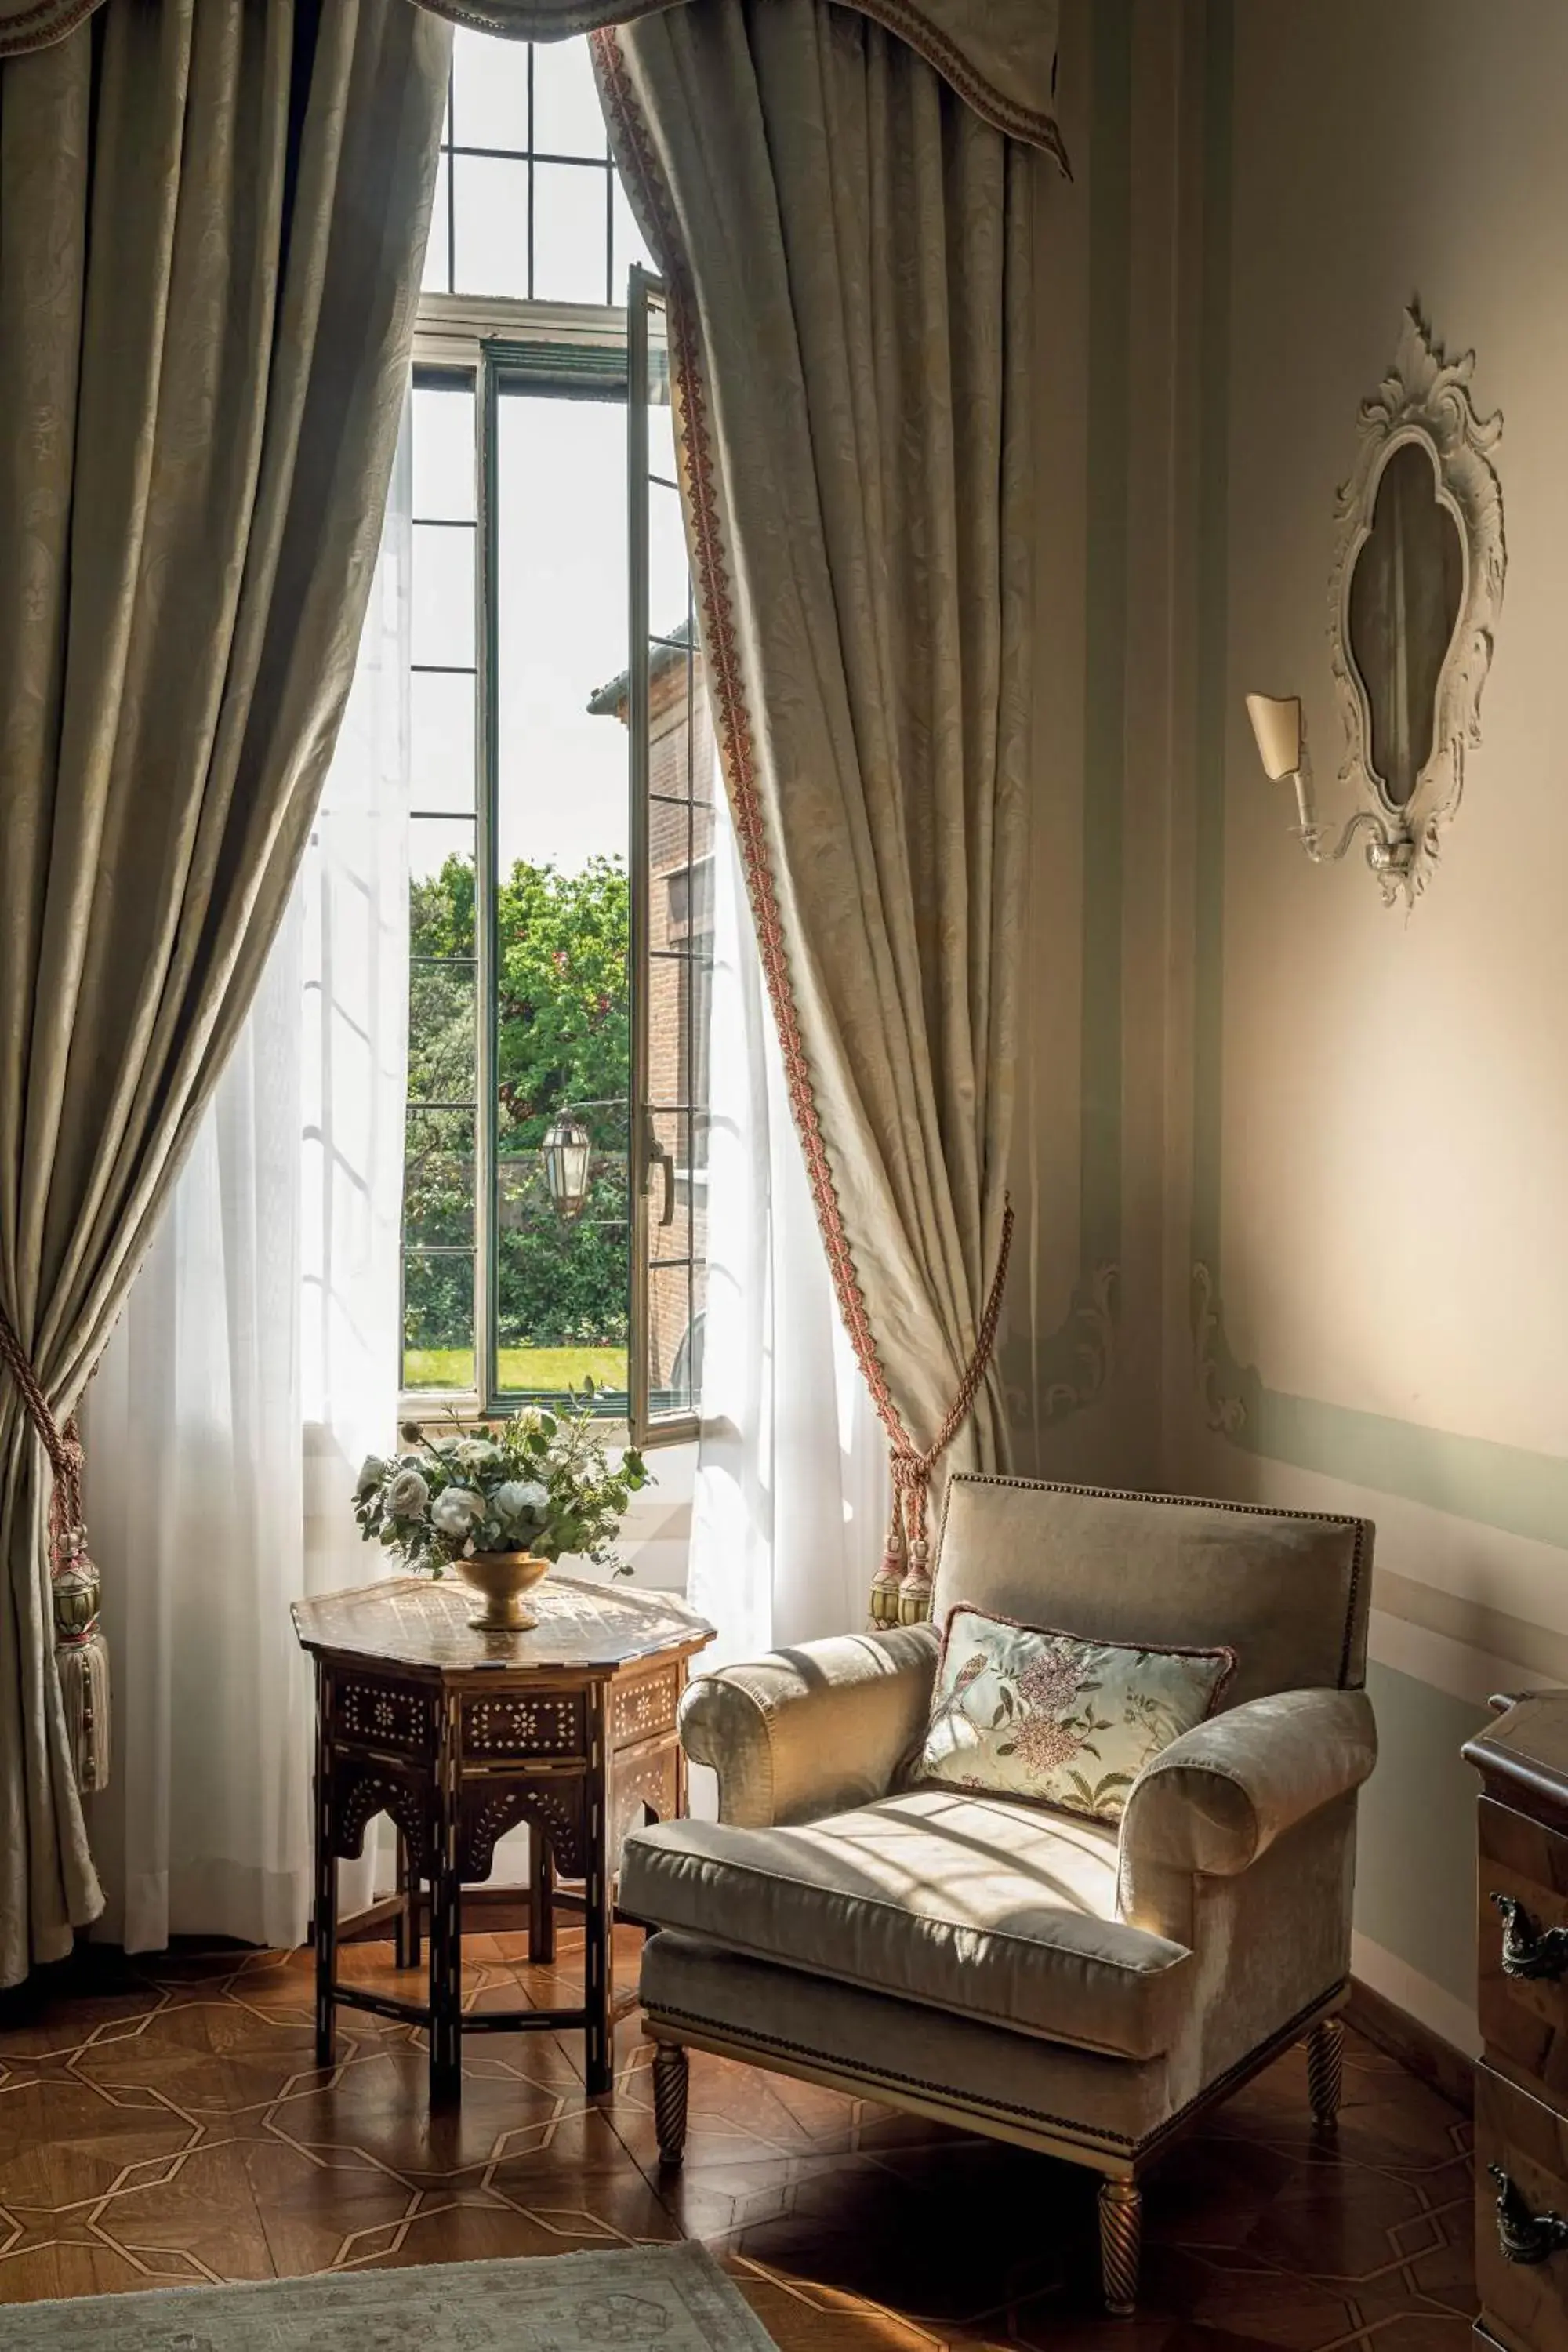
462, 1735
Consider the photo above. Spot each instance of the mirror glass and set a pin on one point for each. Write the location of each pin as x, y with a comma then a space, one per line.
1403, 606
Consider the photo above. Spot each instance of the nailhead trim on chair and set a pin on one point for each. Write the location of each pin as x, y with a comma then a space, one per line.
1182, 1502
1210, 2092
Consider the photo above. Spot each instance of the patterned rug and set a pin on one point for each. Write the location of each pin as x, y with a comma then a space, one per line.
644, 2299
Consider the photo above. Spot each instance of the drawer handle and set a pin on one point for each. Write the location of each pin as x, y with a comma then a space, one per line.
1524, 2236
1540, 1956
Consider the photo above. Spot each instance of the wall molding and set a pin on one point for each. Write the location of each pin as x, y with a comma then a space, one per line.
1472, 1625
1076, 1364
1418, 2050
1223, 1386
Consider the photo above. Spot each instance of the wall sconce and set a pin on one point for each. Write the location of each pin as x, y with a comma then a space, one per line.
1280, 733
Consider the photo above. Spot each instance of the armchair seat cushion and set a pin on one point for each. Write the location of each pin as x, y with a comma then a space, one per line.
974, 1904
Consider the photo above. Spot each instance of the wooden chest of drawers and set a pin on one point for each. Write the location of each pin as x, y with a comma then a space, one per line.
1522, 2084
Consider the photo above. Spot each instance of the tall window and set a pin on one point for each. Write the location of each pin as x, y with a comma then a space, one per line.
560, 888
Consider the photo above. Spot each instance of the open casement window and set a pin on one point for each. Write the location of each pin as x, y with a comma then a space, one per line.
561, 837
673, 782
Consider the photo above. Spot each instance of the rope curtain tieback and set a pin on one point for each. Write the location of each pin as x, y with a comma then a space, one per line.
901, 1590
81, 1652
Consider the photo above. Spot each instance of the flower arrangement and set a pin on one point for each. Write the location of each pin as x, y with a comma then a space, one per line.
539, 1483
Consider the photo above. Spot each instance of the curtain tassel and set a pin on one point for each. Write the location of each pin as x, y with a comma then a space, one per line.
82, 1651
901, 1588
887, 1585
81, 1659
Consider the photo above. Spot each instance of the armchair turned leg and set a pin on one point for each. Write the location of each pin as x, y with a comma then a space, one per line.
671, 2072
1326, 2071
1120, 2240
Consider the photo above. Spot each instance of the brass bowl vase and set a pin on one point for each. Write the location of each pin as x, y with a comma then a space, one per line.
502, 1577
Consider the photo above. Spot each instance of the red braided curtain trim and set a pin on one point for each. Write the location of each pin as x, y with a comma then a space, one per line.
910, 1472
910, 1468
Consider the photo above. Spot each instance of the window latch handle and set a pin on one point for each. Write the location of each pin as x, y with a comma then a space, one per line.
657, 1156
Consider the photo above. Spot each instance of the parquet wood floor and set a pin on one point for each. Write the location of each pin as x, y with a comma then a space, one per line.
161, 2123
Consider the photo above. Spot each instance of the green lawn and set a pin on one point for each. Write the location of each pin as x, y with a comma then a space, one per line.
550, 1369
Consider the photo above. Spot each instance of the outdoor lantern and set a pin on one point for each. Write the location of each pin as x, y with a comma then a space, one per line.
565, 1151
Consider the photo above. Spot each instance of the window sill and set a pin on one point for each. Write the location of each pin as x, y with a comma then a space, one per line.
429, 1409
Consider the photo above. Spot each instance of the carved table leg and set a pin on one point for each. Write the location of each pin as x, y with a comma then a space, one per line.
671, 2075
1325, 2071
446, 1925
405, 1934
1121, 2237
540, 1899
598, 2051
325, 1921
445, 1987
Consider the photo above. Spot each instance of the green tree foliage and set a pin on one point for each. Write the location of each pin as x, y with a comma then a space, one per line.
563, 1040
564, 1014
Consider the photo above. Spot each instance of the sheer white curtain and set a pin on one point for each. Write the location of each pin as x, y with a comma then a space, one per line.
256, 1364
791, 1499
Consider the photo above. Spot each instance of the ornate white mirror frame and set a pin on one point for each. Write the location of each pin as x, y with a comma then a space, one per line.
1424, 400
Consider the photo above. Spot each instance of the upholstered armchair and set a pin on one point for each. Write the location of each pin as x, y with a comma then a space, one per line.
1081, 1989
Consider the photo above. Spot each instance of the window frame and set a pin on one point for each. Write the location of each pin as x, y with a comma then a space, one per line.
646, 289
528, 157
484, 342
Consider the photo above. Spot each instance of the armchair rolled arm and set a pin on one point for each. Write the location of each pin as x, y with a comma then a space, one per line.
1216, 1798
815, 1729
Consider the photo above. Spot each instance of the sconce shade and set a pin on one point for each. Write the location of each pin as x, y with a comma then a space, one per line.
1277, 726
565, 1152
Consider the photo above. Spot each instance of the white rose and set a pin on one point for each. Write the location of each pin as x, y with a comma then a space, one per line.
453, 1512
407, 1495
521, 1498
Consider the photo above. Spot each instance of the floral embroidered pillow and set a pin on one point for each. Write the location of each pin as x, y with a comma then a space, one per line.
1023, 1712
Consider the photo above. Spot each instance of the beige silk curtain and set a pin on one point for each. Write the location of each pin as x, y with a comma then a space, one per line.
211, 218
847, 244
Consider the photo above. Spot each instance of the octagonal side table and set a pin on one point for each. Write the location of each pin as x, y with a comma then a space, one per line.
460, 1735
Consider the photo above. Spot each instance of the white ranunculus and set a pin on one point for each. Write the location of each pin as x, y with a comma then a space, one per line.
407, 1495
371, 1471
457, 1510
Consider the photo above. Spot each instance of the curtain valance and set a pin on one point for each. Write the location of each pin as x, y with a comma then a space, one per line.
1000, 55
35, 23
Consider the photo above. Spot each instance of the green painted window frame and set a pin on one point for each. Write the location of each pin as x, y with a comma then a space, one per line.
491, 344
650, 1424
